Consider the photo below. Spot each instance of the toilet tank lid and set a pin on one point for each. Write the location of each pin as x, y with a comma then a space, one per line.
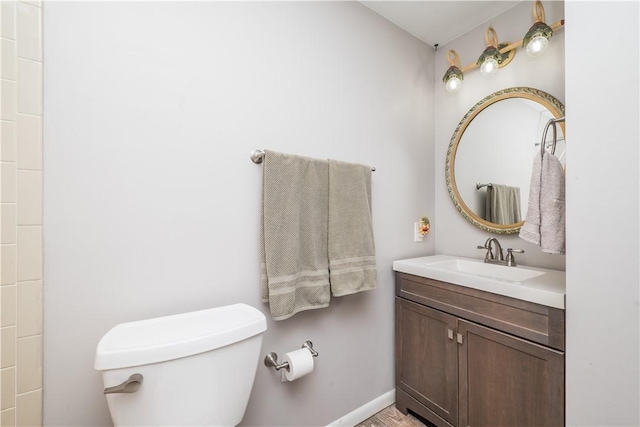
171, 337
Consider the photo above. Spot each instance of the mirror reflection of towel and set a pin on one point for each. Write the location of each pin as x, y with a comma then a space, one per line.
503, 204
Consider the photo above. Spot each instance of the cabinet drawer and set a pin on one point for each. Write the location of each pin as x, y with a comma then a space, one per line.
534, 322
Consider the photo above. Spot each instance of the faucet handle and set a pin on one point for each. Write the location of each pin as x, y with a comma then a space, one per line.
489, 254
511, 261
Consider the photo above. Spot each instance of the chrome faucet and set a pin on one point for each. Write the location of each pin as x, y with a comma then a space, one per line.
490, 257
498, 249
499, 258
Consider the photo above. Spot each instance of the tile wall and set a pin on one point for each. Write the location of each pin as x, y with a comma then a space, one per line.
21, 213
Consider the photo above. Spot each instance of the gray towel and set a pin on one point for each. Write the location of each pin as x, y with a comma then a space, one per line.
352, 261
295, 198
545, 221
503, 204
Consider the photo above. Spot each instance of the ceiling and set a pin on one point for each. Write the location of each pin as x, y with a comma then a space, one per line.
439, 22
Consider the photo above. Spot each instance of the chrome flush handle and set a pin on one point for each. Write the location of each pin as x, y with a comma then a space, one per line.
131, 385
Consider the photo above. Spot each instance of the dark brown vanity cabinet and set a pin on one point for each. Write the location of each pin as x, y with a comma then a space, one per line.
466, 357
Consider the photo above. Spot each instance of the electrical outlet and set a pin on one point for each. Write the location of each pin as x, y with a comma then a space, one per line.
416, 233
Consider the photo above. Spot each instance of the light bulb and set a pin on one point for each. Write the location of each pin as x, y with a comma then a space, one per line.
489, 67
453, 77
453, 85
537, 45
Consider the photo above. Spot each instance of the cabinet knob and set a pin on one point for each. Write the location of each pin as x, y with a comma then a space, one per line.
459, 338
450, 334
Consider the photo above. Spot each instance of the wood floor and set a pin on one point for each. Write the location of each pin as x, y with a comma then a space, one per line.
391, 417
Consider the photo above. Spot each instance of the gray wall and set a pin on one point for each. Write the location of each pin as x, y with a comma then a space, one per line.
603, 334
151, 201
455, 235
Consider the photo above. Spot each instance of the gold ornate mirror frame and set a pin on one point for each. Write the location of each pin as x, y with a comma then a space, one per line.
555, 107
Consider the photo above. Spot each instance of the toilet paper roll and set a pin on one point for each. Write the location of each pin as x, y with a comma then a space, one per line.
300, 364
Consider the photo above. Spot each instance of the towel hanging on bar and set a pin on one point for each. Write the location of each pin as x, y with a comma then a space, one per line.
316, 232
293, 251
544, 224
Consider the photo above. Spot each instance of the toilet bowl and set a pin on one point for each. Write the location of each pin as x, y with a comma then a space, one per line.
188, 369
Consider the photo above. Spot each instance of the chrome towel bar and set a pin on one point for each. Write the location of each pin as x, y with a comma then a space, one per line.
257, 156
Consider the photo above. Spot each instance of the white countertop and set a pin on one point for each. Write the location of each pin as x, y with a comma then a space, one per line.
548, 287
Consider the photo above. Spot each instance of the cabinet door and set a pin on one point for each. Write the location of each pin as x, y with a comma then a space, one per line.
426, 358
506, 381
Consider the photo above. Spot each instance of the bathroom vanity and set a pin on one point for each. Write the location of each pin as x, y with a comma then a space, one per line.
479, 346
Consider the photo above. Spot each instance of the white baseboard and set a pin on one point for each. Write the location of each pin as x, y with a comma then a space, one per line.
365, 411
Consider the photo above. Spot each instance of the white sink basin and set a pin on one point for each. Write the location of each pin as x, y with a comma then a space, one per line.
538, 285
492, 271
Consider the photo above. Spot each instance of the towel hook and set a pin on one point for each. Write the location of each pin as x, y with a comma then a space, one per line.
551, 122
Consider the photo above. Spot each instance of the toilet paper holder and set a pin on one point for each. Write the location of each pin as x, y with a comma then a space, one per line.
271, 360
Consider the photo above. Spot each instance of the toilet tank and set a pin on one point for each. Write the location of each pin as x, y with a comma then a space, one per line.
198, 368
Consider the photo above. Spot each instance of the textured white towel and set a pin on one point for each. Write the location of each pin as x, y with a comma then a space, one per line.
295, 266
545, 221
352, 261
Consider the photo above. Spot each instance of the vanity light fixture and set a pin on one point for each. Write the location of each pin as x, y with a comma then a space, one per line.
453, 77
537, 38
497, 55
491, 58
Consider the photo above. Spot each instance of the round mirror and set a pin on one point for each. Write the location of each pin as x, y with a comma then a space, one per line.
491, 154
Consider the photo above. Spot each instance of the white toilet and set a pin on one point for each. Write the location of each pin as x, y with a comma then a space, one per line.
189, 369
